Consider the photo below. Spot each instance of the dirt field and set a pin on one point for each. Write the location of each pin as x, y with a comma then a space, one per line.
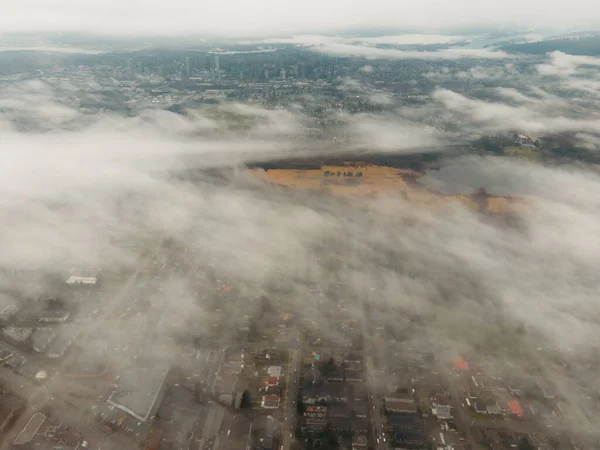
365, 180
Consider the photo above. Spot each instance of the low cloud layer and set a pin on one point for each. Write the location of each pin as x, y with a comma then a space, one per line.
107, 193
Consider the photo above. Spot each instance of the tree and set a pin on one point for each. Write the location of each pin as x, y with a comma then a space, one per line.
524, 444
246, 400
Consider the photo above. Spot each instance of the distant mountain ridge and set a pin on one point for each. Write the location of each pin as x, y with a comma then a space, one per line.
588, 46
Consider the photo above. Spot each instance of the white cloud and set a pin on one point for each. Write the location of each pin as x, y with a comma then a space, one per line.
537, 118
563, 64
361, 51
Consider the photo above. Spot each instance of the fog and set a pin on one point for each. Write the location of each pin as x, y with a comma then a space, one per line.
167, 197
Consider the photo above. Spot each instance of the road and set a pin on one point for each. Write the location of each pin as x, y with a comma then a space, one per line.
290, 407
375, 407
65, 410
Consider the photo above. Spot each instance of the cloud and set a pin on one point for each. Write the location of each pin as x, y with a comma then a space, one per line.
358, 51
534, 118
408, 39
563, 64
168, 194
379, 133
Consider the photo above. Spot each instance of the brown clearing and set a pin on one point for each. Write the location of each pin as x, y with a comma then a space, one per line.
366, 180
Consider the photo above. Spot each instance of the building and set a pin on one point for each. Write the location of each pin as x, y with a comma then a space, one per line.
270, 401
59, 316
405, 422
400, 403
85, 281
328, 393
515, 408
409, 439
42, 338
5, 354
274, 371
442, 412
8, 312
140, 392
17, 335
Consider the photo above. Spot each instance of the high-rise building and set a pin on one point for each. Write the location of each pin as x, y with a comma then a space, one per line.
187, 66
130, 68
283, 74
217, 69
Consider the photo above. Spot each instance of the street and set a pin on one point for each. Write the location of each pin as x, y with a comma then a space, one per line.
290, 406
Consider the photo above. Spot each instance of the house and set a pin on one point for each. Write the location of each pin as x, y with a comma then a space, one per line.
515, 408
328, 393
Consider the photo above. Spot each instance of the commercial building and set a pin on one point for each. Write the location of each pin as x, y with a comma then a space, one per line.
140, 392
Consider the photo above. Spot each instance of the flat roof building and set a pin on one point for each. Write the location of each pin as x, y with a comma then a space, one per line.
140, 392
17, 334
89, 281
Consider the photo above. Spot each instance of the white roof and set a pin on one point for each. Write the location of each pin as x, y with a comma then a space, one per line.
274, 371
82, 280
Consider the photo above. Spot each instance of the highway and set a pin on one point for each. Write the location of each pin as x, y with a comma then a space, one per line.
290, 407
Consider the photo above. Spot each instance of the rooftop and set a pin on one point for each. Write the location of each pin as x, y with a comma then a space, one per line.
139, 390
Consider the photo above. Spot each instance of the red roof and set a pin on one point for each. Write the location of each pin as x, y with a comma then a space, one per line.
273, 381
461, 364
515, 407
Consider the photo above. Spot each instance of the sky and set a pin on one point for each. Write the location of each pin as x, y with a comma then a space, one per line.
268, 17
